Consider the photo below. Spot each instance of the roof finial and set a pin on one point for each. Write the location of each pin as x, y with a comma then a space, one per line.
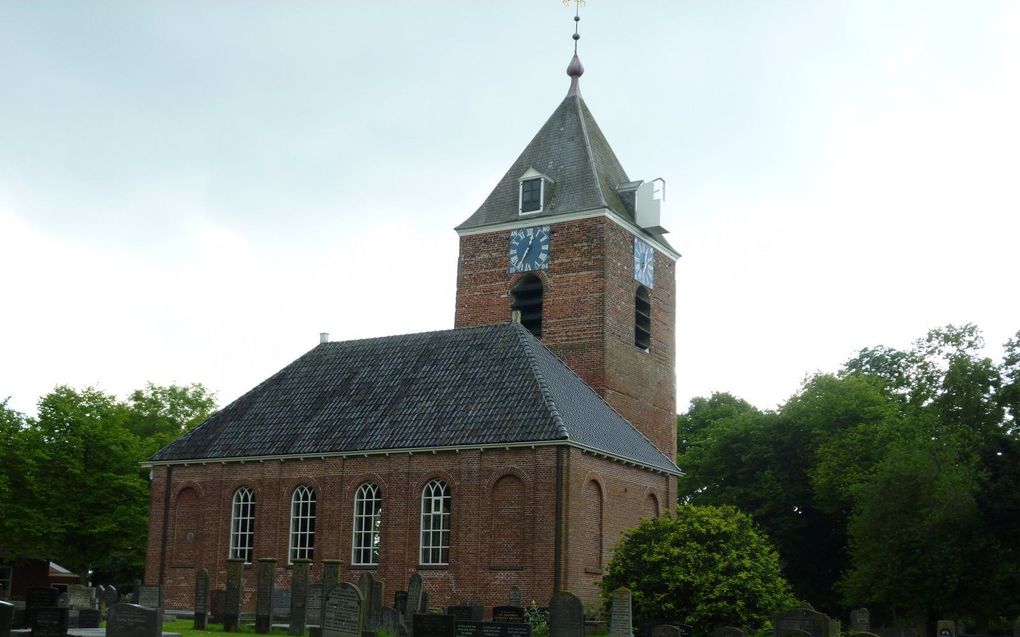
575, 69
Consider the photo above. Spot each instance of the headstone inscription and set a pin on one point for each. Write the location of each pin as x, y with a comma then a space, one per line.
89, 618
132, 620
266, 579
217, 604
201, 598
49, 622
512, 614
341, 615
514, 599
492, 629
6, 618
149, 596
566, 616
860, 621
945, 628
434, 625
620, 614
804, 619
664, 630
299, 595
232, 600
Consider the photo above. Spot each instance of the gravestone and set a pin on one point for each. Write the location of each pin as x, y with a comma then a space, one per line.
49, 622
860, 621
149, 596
266, 579
201, 598
945, 628
400, 601
217, 603
664, 630
366, 587
232, 600
434, 625
728, 631
512, 614
110, 595
514, 599
89, 618
79, 596
803, 619
492, 629
566, 616
414, 601
389, 620
459, 613
282, 600
132, 620
330, 580
39, 598
298, 596
6, 618
313, 605
341, 616
375, 610
619, 614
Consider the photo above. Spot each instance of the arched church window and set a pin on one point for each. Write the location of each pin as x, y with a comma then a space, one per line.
642, 319
242, 525
302, 523
526, 298
593, 525
435, 523
367, 524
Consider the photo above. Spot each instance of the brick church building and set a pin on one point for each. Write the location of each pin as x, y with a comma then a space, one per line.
514, 449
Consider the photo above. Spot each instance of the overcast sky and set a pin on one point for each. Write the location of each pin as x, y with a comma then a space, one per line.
192, 191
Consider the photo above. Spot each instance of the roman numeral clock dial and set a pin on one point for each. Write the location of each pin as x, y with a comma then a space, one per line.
644, 263
529, 249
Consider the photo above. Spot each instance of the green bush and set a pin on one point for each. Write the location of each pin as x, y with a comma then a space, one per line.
705, 566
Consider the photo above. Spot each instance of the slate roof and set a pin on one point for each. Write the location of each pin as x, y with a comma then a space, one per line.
571, 150
466, 387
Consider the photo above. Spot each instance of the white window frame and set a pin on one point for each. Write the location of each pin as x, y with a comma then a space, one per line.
242, 525
529, 175
435, 524
302, 524
367, 524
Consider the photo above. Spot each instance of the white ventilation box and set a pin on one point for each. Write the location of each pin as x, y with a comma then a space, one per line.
648, 200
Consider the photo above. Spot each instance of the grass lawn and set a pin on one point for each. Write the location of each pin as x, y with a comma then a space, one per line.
185, 628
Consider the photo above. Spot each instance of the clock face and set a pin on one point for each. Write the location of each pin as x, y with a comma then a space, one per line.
644, 263
529, 249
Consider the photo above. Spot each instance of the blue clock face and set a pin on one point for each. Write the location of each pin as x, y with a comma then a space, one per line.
529, 249
644, 263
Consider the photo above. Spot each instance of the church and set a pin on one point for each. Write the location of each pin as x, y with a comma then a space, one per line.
511, 450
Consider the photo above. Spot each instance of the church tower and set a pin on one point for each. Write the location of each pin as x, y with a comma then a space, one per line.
571, 247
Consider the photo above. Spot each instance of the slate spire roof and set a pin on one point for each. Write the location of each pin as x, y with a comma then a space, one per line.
493, 385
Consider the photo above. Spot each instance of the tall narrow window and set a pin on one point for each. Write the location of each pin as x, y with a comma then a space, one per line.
302, 523
527, 299
435, 523
593, 525
242, 524
367, 522
642, 319
531, 195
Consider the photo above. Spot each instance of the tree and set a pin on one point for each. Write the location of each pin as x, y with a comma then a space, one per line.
160, 413
701, 565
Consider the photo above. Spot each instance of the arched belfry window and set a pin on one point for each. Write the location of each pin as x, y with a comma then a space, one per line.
302, 523
242, 524
642, 319
526, 298
367, 524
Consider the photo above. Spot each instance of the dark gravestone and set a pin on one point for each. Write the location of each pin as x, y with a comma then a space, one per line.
566, 616
341, 615
330, 580
389, 620
664, 630
110, 595
298, 596
313, 605
282, 600
149, 596
217, 603
804, 619
728, 631
492, 629
201, 598
620, 615
514, 599
860, 621
6, 618
512, 614
89, 618
375, 610
39, 598
79, 596
130, 620
400, 602
434, 625
365, 586
266, 580
460, 613
232, 600
414, 601
49, 622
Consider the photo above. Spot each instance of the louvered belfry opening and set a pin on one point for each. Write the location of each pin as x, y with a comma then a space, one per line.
642, 319
527, 299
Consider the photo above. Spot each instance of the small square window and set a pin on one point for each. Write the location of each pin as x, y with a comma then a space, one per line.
531, 195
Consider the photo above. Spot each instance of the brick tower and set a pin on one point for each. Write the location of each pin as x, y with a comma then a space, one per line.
571, 243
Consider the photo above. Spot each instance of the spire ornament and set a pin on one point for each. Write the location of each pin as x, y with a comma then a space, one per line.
575, 69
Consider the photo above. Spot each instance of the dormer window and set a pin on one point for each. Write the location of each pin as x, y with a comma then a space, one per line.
533, 192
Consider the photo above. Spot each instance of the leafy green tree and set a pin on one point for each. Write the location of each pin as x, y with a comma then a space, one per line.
24, 524
160, 413
701, 565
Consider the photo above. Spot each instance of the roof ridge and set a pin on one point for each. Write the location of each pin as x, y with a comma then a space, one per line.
588, 150
543, 386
